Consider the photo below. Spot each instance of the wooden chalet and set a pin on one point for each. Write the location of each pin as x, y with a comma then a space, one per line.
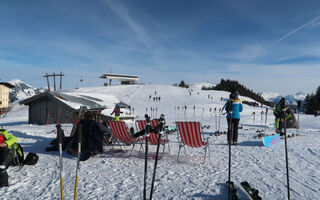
62, 107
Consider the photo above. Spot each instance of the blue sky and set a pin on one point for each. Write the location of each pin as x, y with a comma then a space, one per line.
266, 45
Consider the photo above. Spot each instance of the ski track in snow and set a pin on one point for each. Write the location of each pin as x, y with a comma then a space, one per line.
115, 175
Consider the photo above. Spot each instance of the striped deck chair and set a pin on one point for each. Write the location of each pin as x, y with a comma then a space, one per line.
153, 137
191, 135
120, 132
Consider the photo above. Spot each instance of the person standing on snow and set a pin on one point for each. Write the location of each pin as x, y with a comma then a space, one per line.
116, 112
237, 107
279, 121
7, 151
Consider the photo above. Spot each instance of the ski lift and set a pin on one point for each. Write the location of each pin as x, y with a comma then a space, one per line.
81, 80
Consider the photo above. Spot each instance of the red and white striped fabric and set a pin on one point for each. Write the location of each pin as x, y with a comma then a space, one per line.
153, 137
121, 132
190, 133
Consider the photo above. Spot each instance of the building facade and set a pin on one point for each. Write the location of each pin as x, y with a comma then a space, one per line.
4, 95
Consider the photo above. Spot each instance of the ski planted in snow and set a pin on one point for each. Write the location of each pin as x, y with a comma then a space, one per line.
250, 191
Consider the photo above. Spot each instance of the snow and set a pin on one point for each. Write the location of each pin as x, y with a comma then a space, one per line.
115, 175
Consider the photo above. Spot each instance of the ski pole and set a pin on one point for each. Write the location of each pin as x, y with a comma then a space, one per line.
265, 122
178, 113
283, 106
157, 154
230, 137
219, 120
194, 112
146, 157
78, 162
215, 119
60, 160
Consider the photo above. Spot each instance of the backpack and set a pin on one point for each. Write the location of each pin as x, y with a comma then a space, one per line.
18, 155
31, 159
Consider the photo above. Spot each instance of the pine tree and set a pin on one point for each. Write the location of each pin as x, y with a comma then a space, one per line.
312, 102
183, 84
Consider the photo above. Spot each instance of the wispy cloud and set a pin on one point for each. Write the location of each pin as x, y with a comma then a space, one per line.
123, 13
249, 53
312, 23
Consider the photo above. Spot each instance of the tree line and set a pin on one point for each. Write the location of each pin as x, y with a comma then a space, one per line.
312, 102
231, 86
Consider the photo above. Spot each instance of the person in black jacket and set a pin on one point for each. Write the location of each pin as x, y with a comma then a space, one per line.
92, 140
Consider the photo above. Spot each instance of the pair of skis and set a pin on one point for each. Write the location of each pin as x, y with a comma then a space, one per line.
82, 110
147, 131
251, 192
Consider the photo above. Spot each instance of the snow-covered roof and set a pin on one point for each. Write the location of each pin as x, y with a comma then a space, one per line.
91, 100
7, 84
120, 77
77, 99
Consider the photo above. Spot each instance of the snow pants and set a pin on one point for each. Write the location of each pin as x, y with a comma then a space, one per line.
6, 157
234, 126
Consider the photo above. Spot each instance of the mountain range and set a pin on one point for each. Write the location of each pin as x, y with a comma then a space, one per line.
23, 90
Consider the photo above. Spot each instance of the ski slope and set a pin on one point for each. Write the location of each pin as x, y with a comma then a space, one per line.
115, 175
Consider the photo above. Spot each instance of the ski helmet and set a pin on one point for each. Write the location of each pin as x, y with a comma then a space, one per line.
31, 159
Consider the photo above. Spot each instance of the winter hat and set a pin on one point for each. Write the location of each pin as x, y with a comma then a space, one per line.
234, 95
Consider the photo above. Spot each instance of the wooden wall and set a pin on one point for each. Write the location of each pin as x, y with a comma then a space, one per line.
50, 111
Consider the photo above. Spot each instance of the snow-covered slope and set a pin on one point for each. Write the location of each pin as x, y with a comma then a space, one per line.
198, 86
116, 175
22, 90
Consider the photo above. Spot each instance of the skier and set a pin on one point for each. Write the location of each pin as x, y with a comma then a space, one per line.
116, 112
279, 122
237, 107
7, 152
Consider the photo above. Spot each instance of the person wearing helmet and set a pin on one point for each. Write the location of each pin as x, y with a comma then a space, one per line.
236, 108
116, 112
279, 121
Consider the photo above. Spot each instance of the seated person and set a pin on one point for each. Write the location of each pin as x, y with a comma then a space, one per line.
7, 150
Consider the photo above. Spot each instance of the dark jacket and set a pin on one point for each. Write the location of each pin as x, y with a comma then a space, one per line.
92, 138
116, 111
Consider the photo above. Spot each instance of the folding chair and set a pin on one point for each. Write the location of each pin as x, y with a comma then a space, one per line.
191, 135
153, 137
120, 133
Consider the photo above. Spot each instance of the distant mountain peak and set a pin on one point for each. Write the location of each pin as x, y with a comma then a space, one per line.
291, 99
22, 90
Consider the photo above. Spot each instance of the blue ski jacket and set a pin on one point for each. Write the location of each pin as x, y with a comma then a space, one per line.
237, 107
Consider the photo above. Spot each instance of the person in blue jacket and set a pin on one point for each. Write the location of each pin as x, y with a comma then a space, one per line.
237, 107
